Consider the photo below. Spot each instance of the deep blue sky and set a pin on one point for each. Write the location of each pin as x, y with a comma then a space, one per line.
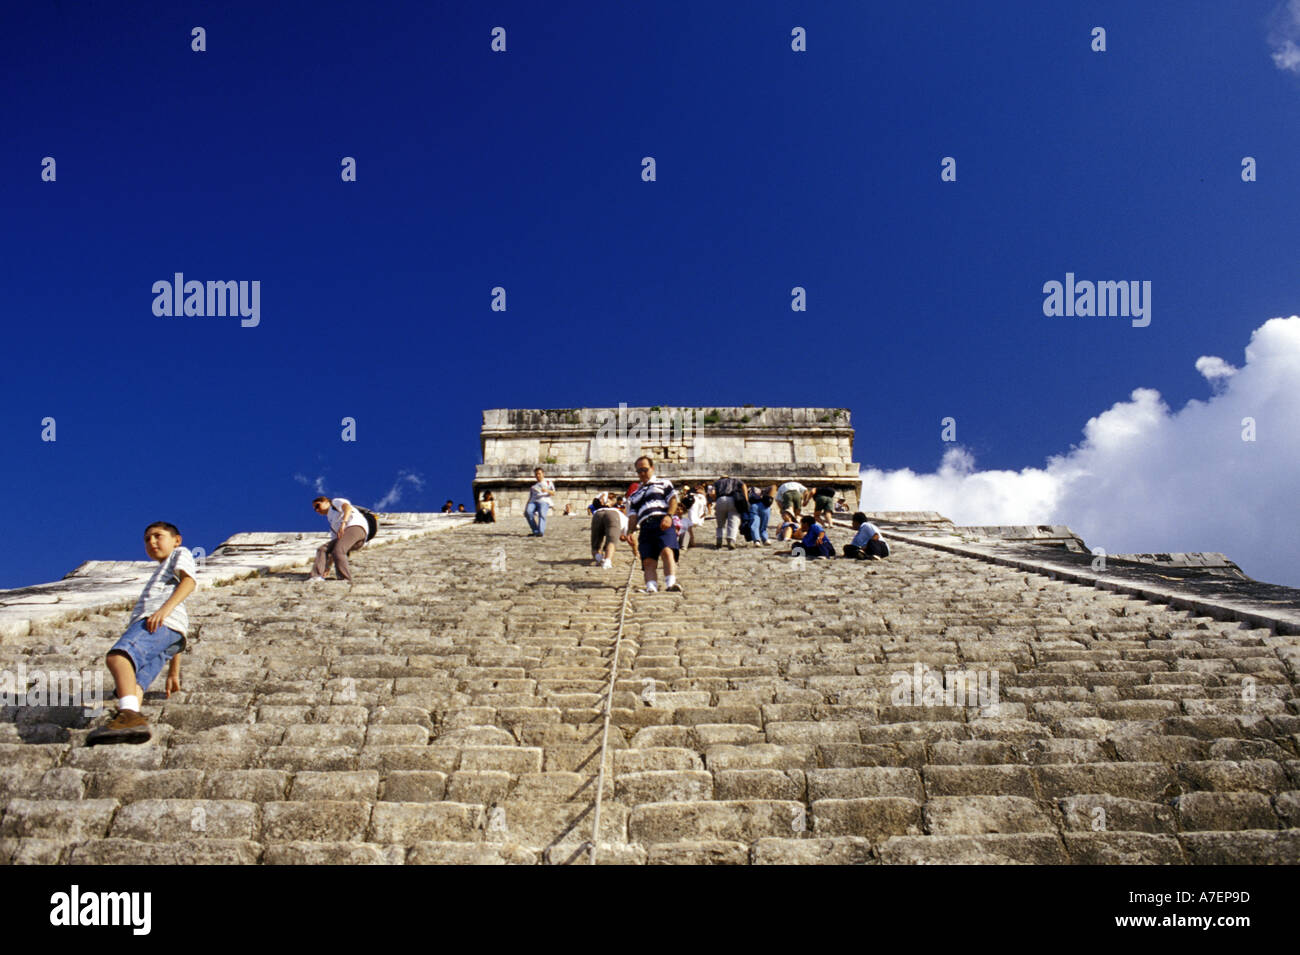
522, 169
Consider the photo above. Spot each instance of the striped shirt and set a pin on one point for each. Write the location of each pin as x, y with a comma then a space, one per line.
650, 499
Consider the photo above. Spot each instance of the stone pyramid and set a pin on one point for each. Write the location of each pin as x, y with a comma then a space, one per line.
450, 708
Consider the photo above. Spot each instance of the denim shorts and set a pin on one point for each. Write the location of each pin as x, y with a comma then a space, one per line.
149, 652
651, 541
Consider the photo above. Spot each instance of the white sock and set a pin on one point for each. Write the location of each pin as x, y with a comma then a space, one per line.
670, 579
129, 703
651, 585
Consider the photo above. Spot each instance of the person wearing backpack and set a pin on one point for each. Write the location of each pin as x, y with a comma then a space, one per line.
760, 502
731, 499
351, 527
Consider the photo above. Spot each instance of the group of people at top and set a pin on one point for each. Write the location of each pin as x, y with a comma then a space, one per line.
662, 524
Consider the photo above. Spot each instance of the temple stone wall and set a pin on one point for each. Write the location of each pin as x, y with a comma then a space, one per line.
590, 450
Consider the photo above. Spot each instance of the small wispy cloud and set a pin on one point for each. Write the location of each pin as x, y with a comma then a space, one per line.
1216, 371
1284, 36
405, 479
317, 484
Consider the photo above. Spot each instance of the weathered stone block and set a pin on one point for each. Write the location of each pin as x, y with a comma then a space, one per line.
178, 853
663, 786
508, 759
469, 853
1259, 775
979, 780
205, 756
1222, 811
317, 821
656, 759
812, 733
486, 786
864, 782
295, 759
733, 821
839, 850
389, 759
973, 850
1123, 848
761, 756
1148, 782
247, 785
132, 784
57, 783
1100, 813
414, 786
409, 823
704, 735
539, 825
396, 735
609, 853
675, 737
358, 786
1257, 847
1287, 806
777, 784
57, 819
333, 853
168, 820
33, 851
712, 852
976, 815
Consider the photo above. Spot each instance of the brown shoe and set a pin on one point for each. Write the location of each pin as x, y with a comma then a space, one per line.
128, 726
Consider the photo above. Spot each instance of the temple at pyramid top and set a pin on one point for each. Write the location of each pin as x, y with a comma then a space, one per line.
589, 450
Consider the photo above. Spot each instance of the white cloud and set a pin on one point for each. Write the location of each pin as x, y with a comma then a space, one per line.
1147, 478
1214, 369
404, 479
1284, 36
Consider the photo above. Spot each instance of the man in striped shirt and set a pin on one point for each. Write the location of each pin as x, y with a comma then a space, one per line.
650, 510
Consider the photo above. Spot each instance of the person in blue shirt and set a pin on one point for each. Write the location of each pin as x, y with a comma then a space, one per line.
814, 542
867, 543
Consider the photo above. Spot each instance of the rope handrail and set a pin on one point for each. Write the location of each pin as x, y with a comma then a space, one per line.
609, 705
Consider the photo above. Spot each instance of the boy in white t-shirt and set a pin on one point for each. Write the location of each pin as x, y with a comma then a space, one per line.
350, 529
155, 636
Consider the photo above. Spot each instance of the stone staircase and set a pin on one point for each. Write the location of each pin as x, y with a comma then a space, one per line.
449, 709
